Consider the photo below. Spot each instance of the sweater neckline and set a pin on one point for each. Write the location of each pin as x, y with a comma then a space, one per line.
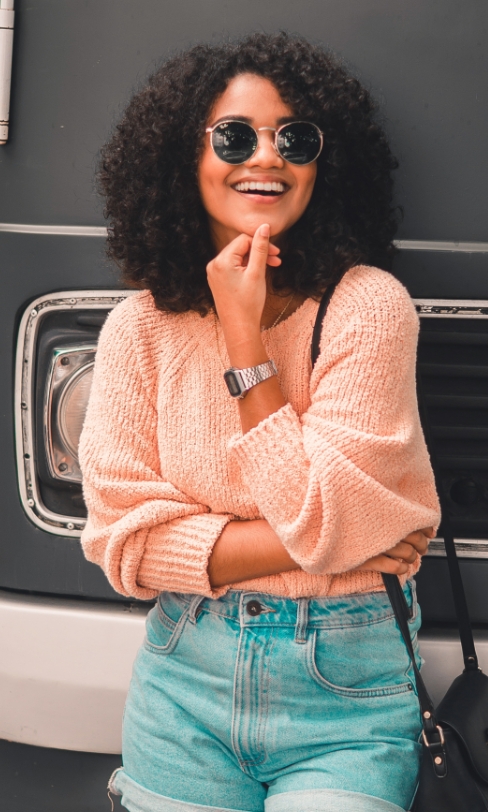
289, 319
297, 314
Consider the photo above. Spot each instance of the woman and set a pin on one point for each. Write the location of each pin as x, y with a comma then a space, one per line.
242, 182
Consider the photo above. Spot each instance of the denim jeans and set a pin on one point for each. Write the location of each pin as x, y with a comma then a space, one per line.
254, 702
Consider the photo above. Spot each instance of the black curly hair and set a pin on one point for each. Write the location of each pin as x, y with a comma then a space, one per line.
158, 229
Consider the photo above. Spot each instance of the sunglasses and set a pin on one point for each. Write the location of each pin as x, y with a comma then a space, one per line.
234, 142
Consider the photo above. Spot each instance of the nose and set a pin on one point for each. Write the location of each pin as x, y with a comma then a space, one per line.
266, 155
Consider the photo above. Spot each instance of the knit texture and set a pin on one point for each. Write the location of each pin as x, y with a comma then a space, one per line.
341, 473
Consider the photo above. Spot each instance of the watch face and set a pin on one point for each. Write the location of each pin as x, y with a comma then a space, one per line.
232, 383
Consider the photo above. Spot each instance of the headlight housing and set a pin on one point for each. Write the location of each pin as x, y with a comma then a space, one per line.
55, 357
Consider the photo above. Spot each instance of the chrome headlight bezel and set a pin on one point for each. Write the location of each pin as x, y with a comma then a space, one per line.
26, 430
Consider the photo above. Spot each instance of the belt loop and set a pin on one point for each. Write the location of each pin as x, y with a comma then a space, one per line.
194, 606
302, 620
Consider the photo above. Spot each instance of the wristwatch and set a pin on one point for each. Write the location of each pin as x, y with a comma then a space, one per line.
240, 381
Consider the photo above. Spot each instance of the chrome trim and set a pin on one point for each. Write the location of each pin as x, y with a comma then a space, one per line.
24, 400
440, 245
460, 308
101, 231
465, 548
58, 449
70, 231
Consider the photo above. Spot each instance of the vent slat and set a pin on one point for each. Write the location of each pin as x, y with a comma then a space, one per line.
473, 339
454, 370
460, 432
465, 463
457, 401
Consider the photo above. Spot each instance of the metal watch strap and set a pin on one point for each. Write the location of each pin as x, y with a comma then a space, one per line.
250, 376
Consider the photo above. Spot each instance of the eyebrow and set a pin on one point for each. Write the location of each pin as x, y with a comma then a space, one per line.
247, 120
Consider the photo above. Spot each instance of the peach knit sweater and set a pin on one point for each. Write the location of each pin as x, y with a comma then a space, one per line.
341, 472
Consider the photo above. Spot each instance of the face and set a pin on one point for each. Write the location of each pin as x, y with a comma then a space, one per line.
232, 208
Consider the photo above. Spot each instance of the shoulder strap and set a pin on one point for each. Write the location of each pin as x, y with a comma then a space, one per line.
317, 330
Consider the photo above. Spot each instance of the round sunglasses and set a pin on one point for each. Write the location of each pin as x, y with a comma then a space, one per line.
298, 142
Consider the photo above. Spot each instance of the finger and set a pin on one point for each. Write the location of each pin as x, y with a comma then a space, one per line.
238, 249
382, 563
418, 540
259, 253
274, 261
403, 550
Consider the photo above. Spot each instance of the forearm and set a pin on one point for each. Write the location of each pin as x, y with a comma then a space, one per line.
246, 550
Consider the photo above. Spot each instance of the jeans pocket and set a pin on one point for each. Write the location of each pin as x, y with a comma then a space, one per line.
349, 662
165, 623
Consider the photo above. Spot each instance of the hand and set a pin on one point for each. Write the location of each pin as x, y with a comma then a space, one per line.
237, 279
398, 559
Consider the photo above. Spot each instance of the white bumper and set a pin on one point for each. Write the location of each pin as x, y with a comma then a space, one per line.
65, 668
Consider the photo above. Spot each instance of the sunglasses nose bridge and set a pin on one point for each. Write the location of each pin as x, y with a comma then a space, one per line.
258, 155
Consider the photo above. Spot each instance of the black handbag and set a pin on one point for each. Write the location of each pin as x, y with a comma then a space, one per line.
454, 764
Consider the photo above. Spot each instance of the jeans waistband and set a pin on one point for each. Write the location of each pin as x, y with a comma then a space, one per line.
258, 609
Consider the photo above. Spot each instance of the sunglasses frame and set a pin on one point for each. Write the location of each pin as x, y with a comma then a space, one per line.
276, 131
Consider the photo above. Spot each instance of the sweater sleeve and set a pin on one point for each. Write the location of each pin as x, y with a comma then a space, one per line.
145, 533
351, 476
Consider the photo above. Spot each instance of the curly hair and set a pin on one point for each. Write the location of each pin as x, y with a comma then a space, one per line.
158, 229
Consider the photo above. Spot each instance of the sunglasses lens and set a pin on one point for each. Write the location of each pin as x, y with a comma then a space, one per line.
299, 143
234, 142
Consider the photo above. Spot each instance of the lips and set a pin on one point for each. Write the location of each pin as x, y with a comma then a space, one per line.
265, 188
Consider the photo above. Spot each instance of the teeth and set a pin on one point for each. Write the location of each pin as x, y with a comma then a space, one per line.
251, 186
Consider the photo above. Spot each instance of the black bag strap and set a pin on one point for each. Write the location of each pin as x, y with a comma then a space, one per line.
319, 319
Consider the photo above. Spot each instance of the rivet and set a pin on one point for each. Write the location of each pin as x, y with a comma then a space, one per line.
65, 360
72, 301
427, 715
70, 526
62, 467
33, 313
30, 502
24, 404
438, 760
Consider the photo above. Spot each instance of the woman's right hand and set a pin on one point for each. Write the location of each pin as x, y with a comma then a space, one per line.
398, 559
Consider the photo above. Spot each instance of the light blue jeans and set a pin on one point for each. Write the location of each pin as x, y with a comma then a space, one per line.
254, 702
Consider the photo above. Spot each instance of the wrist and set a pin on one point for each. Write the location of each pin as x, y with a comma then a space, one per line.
245, 350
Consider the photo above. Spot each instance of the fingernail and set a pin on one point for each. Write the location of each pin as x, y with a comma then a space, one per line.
264, 230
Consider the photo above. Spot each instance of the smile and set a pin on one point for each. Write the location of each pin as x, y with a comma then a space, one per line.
257, 187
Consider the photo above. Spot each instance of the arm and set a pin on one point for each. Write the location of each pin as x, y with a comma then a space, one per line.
247, 550
146, 534
351, 477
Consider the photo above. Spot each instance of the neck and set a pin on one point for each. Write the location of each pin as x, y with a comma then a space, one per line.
274, 304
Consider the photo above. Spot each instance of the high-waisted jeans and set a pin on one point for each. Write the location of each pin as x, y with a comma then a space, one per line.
254, 702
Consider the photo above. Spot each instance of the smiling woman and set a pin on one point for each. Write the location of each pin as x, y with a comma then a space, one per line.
159, 233
242, 183
232, 209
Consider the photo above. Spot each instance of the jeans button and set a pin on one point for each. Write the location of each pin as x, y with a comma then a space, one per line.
254, 608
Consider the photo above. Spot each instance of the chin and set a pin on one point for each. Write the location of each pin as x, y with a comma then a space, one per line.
249, 228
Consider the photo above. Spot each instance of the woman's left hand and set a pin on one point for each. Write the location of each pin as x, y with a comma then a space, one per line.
398, 559
237, 279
